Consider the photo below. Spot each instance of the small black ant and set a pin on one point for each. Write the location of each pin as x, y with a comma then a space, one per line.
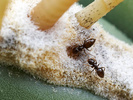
87, 44
99, 71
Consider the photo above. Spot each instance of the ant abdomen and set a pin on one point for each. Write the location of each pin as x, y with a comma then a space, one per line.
89, 43
100, 72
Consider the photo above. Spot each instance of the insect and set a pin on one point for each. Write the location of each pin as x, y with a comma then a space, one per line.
99, 70
87, 44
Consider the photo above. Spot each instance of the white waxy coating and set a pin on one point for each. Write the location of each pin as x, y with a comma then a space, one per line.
45, 55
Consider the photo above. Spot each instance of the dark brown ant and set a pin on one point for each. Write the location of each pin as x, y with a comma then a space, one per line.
87, 44
99, 71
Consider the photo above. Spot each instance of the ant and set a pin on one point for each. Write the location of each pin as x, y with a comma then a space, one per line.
99, 71
87, 44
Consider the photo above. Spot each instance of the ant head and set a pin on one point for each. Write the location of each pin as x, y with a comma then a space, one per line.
89, 43
75, 50
91, 61
100, 72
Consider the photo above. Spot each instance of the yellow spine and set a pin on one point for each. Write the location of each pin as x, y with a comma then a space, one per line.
47, 12
3, 4
93, 12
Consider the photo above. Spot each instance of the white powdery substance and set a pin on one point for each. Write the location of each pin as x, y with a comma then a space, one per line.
29, 34
116, 59
17, 27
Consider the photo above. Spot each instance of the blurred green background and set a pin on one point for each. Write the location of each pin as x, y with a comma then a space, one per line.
17, 85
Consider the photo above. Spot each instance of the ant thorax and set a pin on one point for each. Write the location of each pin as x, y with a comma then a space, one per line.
87, 44
77, 49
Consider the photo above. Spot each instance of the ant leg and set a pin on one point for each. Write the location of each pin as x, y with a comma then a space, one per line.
85, 64
99, 64
92, 56
93, 70
87, 53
